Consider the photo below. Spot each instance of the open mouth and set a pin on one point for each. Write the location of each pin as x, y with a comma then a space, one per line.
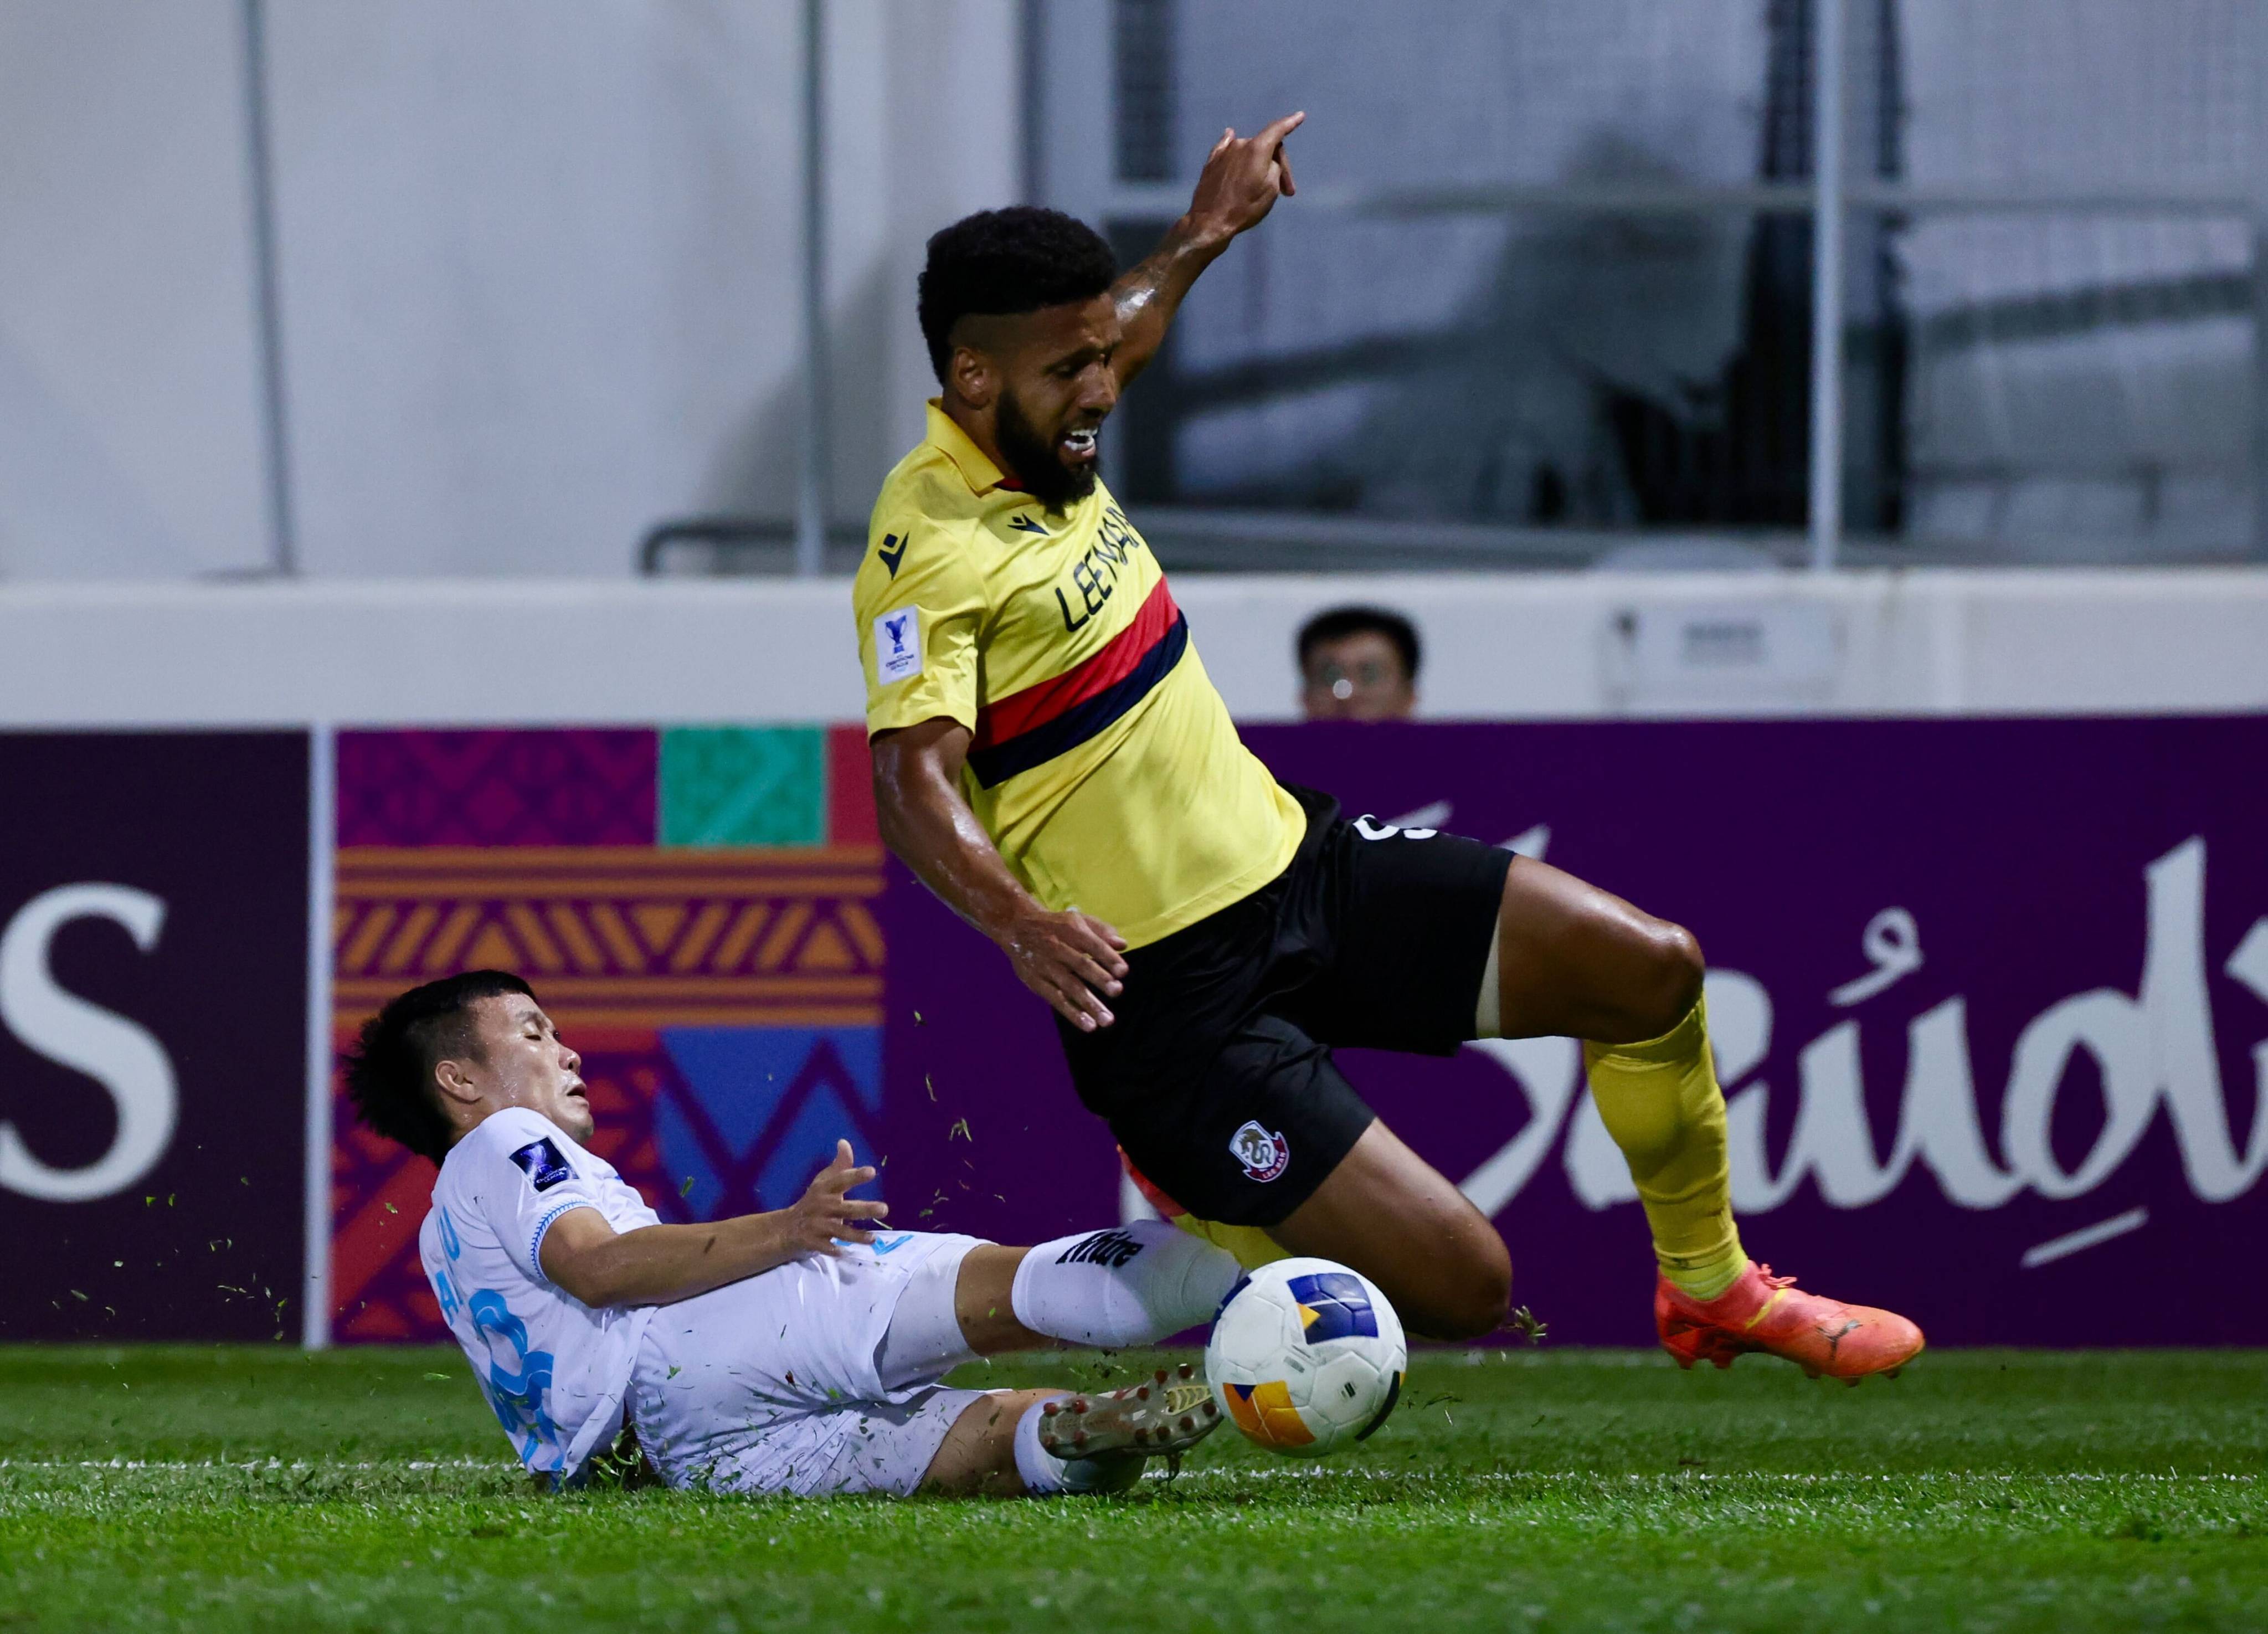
1078, 446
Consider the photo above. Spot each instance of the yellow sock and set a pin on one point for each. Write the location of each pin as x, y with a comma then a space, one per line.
1660, 1103
1252, 1246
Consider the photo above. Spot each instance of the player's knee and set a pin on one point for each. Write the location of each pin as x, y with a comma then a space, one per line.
1666, 982
1476, 1302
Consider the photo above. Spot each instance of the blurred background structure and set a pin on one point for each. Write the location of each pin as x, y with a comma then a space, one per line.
415, 289
535, 279
1553, 293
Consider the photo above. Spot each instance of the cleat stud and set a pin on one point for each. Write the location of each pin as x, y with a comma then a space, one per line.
1142, 1394
1892, 1373
1811, 1373
1851, 1383
1050, 1408
1187, 1423
1079, 1404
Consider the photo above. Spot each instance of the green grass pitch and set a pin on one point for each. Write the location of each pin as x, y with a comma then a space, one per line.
188, 1488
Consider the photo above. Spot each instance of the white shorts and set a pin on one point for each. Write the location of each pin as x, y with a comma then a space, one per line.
769, 1385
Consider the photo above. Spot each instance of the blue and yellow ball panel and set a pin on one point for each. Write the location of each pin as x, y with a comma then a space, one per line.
1333, 1304
1265, 1413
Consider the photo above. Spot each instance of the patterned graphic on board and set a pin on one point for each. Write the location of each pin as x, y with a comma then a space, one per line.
726, 999
498, 788
744, 785
621, 938
760, 1104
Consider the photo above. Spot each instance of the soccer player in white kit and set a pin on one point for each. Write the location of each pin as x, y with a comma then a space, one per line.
798, 1352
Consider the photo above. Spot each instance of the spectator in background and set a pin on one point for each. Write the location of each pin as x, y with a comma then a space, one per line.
1358, 664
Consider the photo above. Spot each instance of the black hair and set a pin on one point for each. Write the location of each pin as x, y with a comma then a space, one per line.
1007, 261
1338, 623
389, 1071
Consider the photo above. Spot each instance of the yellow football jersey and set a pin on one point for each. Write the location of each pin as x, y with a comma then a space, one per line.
1103, 764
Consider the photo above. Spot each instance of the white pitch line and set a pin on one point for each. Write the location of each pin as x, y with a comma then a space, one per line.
1315, 1471
2072, 1242
1778, 1477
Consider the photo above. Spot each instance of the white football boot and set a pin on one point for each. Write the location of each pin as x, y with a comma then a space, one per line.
1169, 1412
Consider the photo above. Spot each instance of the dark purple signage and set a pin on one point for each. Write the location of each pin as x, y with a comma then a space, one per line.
153, 995
1990, 1001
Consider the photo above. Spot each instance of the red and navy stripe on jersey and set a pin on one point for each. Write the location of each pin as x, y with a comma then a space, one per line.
1028, 728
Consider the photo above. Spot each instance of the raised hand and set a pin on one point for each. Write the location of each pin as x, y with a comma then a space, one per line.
821, 1220
1243, 177
1071, 959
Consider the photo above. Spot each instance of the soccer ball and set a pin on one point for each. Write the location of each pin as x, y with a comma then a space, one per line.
1306, 1357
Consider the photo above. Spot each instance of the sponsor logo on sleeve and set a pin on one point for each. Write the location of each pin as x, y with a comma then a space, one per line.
897, 645
545, 1167
893, 551
1264, 1154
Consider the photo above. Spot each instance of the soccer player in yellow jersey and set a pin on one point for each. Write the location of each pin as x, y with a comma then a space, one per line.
1050, 757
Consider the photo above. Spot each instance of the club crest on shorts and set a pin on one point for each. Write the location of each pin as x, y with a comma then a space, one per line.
1264, 1154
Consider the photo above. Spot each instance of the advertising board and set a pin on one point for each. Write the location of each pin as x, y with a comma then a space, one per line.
1989, 999
153, 995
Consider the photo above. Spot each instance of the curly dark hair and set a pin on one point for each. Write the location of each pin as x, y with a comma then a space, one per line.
1007, 261
389, 1069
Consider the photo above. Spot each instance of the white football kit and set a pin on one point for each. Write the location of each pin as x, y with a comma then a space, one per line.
555, 1370
771, 1384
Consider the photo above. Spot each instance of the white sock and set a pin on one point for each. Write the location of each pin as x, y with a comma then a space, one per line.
1042, 1472
1044, 1475
1132, 1284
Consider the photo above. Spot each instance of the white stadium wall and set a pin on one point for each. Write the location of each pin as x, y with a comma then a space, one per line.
537, 287
1497, 647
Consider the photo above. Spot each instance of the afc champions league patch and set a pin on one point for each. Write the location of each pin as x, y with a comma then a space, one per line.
897, 646
1264, 1154
546, 1168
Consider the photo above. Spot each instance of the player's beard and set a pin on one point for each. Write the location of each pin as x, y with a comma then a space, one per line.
1033, 460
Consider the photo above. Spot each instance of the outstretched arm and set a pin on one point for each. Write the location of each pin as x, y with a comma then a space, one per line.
1241, 180
661, 1264
1070, 958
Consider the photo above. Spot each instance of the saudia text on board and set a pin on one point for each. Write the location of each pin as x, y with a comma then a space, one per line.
2150, 1048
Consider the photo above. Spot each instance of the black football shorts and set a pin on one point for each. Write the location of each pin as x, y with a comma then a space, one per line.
1217, 1076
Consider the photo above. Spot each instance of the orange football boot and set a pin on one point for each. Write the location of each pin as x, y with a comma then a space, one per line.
1761, 1311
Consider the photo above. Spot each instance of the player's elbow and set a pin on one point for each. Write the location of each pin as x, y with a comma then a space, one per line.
596, 1273
588, 1283
902, 781
890, 802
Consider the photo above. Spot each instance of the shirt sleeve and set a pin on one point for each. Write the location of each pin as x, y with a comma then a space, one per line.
918, 628
529, 1175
